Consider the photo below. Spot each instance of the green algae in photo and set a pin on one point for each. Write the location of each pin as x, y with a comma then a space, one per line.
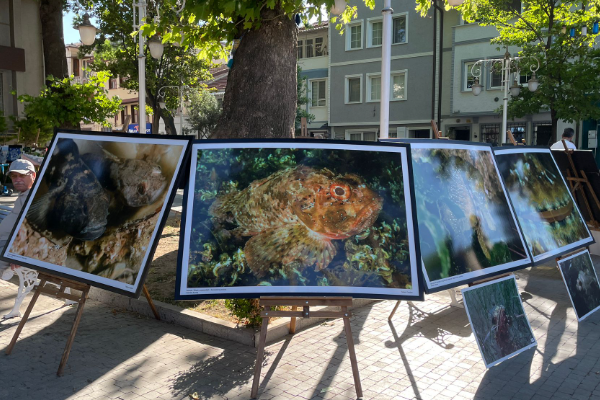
466, 227
549, 218
582, 283
498, 320
290, 218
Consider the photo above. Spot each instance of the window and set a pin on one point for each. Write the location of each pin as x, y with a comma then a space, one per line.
354, 36
353, 89
399, 29
469, 78
318, 93
398, 89
518, 130
373, 87
314, 47
75, 66
370, 136
375, 32
496, 75
490, 133
112, 83
524, 77
86, 68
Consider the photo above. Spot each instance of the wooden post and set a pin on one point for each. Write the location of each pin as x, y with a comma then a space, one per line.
394, 310
59, 293
305, 303
293, 322
150, 302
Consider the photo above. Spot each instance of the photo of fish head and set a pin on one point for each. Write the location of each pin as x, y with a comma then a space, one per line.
498, 320
96, 206
581, 279
549, 217
298, 219
466, 225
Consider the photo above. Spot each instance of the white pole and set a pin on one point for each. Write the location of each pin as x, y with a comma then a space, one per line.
386, 52
506, 68
142, 70
180, 110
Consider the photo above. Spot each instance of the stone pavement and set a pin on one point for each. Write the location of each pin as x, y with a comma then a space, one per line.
426, 352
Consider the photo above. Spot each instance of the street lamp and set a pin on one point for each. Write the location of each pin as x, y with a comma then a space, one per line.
87, 31
162, 103
508, 64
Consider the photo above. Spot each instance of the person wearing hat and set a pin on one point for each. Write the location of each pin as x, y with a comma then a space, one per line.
22, 174
567, 136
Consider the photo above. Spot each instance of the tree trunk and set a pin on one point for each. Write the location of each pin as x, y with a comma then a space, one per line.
55, 58
169, 124
260, 98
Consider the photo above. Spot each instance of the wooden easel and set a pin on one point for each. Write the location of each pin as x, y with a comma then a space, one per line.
59, 293
305, 303
576, 183
436, 133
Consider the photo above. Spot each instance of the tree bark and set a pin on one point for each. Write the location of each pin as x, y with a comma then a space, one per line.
260, 98
55, 58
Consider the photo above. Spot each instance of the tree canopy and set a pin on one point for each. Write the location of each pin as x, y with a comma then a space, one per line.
569, 63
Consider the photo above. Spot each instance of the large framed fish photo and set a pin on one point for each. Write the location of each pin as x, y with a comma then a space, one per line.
298, 218
551, 222
97, 208
467, 228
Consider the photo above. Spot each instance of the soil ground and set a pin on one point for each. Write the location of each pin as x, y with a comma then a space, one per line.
161, 279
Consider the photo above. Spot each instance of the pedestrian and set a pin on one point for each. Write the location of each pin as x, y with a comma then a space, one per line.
567, 136
22, 174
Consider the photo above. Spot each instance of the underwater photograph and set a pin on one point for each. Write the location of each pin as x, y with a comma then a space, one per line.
545, 209
96, 205
312, 218
582, 284
498, 320
466, 227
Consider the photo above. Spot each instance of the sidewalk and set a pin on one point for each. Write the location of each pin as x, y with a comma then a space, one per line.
426, 352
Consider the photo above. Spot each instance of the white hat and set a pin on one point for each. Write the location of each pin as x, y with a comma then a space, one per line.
21, 167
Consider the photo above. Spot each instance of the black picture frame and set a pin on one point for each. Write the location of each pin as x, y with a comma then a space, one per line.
452, 281
559, 251
183, 292
127, 142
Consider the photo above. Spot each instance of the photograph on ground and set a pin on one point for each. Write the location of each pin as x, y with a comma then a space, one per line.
582, 283
96, 207
549, 218
298, 218
467, 229
498, 320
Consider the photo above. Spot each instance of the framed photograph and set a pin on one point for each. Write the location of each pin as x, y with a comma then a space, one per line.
97, 207
498, 320
298, 218
467, 228
546, 211
581, 279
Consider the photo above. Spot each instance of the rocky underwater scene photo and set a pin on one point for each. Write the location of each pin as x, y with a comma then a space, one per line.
466, 227
303, 218
549, 217
498, 319
96, 207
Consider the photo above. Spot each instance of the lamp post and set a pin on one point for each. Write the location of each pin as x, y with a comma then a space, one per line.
88, 35
508, 65
161, 94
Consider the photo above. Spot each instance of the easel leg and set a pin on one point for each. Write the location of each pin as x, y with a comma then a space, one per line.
36, 294
259, 357
65, 355
353, 361
394, 310
453, 301
293, 322
150, 302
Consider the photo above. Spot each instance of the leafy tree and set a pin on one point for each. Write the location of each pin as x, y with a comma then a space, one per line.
65, 103
260, 96
116, 50
302, 99
568, 74
203, 112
